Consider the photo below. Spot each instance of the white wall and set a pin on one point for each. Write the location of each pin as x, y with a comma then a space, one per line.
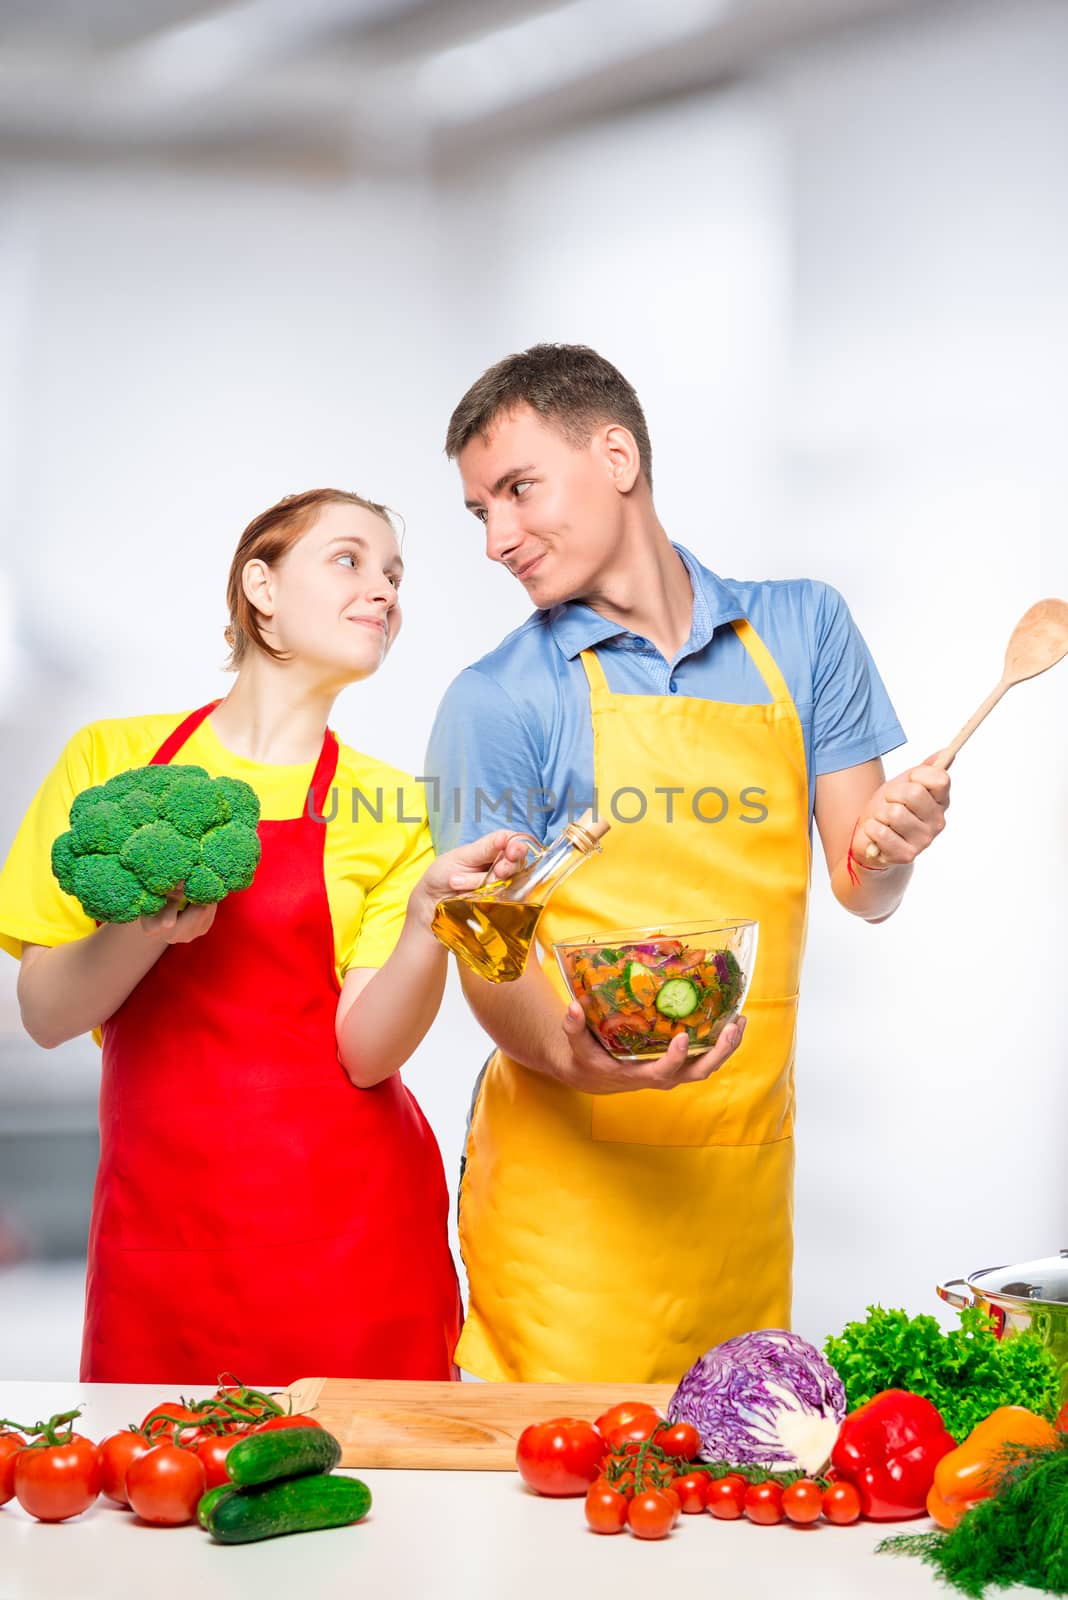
840, 293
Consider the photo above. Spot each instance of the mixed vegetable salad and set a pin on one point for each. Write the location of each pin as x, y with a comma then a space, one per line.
637, 997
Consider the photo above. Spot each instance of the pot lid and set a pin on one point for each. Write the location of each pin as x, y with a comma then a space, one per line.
1028, 1280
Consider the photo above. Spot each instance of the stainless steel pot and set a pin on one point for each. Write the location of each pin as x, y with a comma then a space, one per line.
1031, 1294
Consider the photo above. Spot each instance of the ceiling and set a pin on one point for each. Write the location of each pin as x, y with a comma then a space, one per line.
355, 84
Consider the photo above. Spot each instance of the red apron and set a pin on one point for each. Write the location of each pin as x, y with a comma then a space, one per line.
254, 1212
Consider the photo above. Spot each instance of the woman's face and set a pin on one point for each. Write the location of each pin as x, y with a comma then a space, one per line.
332, 600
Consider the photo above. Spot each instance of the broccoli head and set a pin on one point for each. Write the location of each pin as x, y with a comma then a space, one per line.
133, 840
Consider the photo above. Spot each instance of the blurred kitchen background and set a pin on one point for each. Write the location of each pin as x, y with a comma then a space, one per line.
246, 249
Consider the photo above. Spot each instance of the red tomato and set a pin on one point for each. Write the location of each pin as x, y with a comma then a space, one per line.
561, 1457
165, 1485
116, 1452
681, 1440
10, 1444
606, 1509
725, 1498
651, 1515
212, 1453
638, 1431
802, 1501
691, 1490
176, 1413
841, 1504
627, 1411
57, 1481
763, 1503
298, 1420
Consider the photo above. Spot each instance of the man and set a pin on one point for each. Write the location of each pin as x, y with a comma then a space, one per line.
617, 1219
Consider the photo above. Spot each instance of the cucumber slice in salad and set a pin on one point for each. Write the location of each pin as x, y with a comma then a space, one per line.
677, 998
641, 985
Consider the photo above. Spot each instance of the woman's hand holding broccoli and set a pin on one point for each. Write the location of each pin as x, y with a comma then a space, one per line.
179, 922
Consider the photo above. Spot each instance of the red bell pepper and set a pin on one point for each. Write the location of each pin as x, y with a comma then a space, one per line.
889, 1449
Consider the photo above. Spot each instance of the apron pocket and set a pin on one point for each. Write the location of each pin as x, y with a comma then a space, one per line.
749, 1101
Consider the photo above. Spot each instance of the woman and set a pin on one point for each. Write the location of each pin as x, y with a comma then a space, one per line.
270, 1200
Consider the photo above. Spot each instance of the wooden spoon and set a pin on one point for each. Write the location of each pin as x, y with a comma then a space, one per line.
1039, 640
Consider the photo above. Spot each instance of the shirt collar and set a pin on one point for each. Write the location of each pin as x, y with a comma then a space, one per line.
576, 627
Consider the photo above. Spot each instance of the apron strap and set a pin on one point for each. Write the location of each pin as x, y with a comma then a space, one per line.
323, 776
185, 730
763, 660
594, 670
757, 650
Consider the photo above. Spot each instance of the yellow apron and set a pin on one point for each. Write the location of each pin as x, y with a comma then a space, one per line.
615, 1238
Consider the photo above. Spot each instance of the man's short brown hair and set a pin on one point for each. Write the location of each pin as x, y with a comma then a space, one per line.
568, 384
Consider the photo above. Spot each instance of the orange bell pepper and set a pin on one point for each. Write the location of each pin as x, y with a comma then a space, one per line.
976, 1468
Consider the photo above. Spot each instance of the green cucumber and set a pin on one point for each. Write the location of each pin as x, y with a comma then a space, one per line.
281, 1453
209, 1501
299, 1505
640, 983
677, 998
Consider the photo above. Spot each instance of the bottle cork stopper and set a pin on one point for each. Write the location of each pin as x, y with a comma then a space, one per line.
595, 827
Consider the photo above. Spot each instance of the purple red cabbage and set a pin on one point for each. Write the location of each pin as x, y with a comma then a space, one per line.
766, 1399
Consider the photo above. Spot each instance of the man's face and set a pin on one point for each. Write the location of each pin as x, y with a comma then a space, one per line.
552, 513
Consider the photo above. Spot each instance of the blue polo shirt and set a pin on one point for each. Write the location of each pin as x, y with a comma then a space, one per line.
512, 743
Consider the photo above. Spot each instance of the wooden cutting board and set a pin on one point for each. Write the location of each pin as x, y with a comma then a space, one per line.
467, 1427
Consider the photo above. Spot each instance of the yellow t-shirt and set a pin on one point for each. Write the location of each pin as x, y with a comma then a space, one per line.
370, 865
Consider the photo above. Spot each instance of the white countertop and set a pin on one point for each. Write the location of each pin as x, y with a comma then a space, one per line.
429, 1536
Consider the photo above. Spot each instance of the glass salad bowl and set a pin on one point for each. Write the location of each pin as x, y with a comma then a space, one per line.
640, 987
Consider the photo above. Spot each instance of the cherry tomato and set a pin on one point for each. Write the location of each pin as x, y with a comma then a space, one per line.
116, 1453
627, 1411
681, 1440
561, 1457
165, 1485
802, 1501
10, 1445
841, 1504
175, 1412
606, 1509
57, 1481
213, 1452
763, 1503
651, 1515
725, 1498
691, 1490
672, 1494
298, 1420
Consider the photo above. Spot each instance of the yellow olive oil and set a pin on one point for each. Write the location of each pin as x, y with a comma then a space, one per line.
493, 937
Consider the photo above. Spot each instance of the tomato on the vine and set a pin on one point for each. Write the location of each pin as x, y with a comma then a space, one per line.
10, 1445
181, 1422
627, 1411
681, 1440
725, 1498
165, 1486
212, 1453
638, 1431
116, 1453
606, 1508
841, 1504
802, 1501
691, 1489
57, 1481
763, 1502
651, 1515
560, 1457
